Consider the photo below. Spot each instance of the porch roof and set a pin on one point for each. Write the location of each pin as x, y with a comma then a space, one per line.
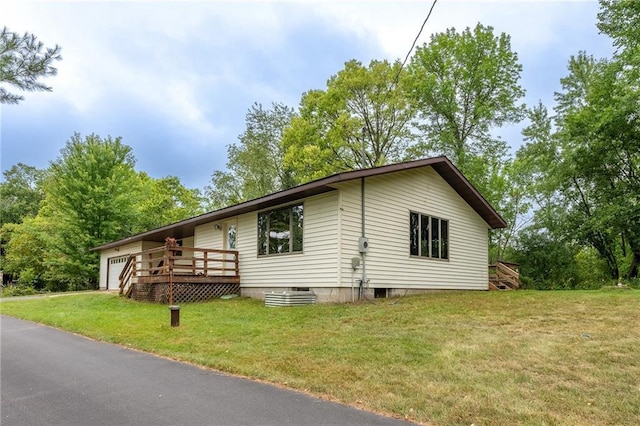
442, 165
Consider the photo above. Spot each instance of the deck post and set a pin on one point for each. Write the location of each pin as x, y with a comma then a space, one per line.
171, 287
170, 254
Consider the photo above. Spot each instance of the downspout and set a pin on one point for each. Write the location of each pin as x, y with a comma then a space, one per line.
363, 279
362, 219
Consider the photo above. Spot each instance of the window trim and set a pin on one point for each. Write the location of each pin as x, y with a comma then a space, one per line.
416, 237
292, 233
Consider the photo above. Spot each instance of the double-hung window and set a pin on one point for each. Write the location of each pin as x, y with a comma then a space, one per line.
428, 236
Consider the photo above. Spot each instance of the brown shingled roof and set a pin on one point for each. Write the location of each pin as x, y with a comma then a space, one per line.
442, 165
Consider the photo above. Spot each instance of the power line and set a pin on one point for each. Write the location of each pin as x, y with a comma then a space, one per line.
397, 77
406, 58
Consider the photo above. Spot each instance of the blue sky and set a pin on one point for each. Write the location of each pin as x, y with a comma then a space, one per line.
175, 79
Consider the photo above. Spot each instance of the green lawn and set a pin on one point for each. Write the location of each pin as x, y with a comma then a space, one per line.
483, 358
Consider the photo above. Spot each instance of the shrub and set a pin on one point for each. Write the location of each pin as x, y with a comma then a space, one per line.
18, 290
57, 286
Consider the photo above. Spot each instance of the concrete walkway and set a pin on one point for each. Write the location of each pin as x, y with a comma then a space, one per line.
61, 294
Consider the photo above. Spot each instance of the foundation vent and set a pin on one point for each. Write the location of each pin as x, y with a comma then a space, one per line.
289, 298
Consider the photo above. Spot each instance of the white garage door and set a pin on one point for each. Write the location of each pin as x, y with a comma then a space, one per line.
116, 264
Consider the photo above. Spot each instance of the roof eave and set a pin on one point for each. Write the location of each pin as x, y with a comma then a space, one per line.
442, 165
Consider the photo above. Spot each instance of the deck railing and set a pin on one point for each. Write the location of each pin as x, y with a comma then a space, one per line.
504, 276
178, 261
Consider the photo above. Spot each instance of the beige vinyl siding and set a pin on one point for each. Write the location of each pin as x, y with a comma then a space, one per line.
186, 242
389, 199
206, 236
316, 266
351, 230
148, 245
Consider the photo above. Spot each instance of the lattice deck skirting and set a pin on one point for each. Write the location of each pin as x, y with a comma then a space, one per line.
182, 292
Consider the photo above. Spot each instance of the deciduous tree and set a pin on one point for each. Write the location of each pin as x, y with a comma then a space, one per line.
163, 201
465, 85
90, 197
20, 193
359, 102
26, 248
256, 164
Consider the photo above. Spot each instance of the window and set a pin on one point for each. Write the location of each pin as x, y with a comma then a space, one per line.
428, 236
117, 260
232, 236
280, 230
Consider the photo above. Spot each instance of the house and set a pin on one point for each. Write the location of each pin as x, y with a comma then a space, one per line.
391, 230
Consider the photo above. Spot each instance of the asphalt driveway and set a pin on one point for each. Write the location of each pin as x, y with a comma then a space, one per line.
50, 377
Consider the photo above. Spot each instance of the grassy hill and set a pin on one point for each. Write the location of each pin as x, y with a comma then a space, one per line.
483, 358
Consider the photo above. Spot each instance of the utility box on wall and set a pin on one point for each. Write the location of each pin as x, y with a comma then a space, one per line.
363, 245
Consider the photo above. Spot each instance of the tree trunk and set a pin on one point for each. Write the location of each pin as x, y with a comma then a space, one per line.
603, 245
635, 265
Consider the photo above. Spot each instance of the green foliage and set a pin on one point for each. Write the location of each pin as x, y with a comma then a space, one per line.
545, 262
224, 191
57, 285
90, 187
359, 102
28, 277
514, 206
585, 169
26, 247
20, 193
620, 19
23, 61
599, 132
18, 290
163, 201
633, 283
592, 269
463, 86
256, 164
89, 197
550, 264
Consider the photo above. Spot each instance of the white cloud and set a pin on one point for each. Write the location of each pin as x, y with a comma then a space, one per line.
195, 67
533, 25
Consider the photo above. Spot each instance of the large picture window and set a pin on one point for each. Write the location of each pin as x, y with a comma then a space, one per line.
428, 236
280, 230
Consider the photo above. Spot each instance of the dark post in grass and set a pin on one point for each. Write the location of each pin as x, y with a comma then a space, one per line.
175, 315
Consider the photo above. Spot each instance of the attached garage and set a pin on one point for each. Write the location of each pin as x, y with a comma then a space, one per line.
116, 265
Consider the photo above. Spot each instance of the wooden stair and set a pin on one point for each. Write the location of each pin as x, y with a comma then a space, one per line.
127, 277
504, 276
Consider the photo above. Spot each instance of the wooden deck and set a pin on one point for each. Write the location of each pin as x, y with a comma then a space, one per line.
180, 274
